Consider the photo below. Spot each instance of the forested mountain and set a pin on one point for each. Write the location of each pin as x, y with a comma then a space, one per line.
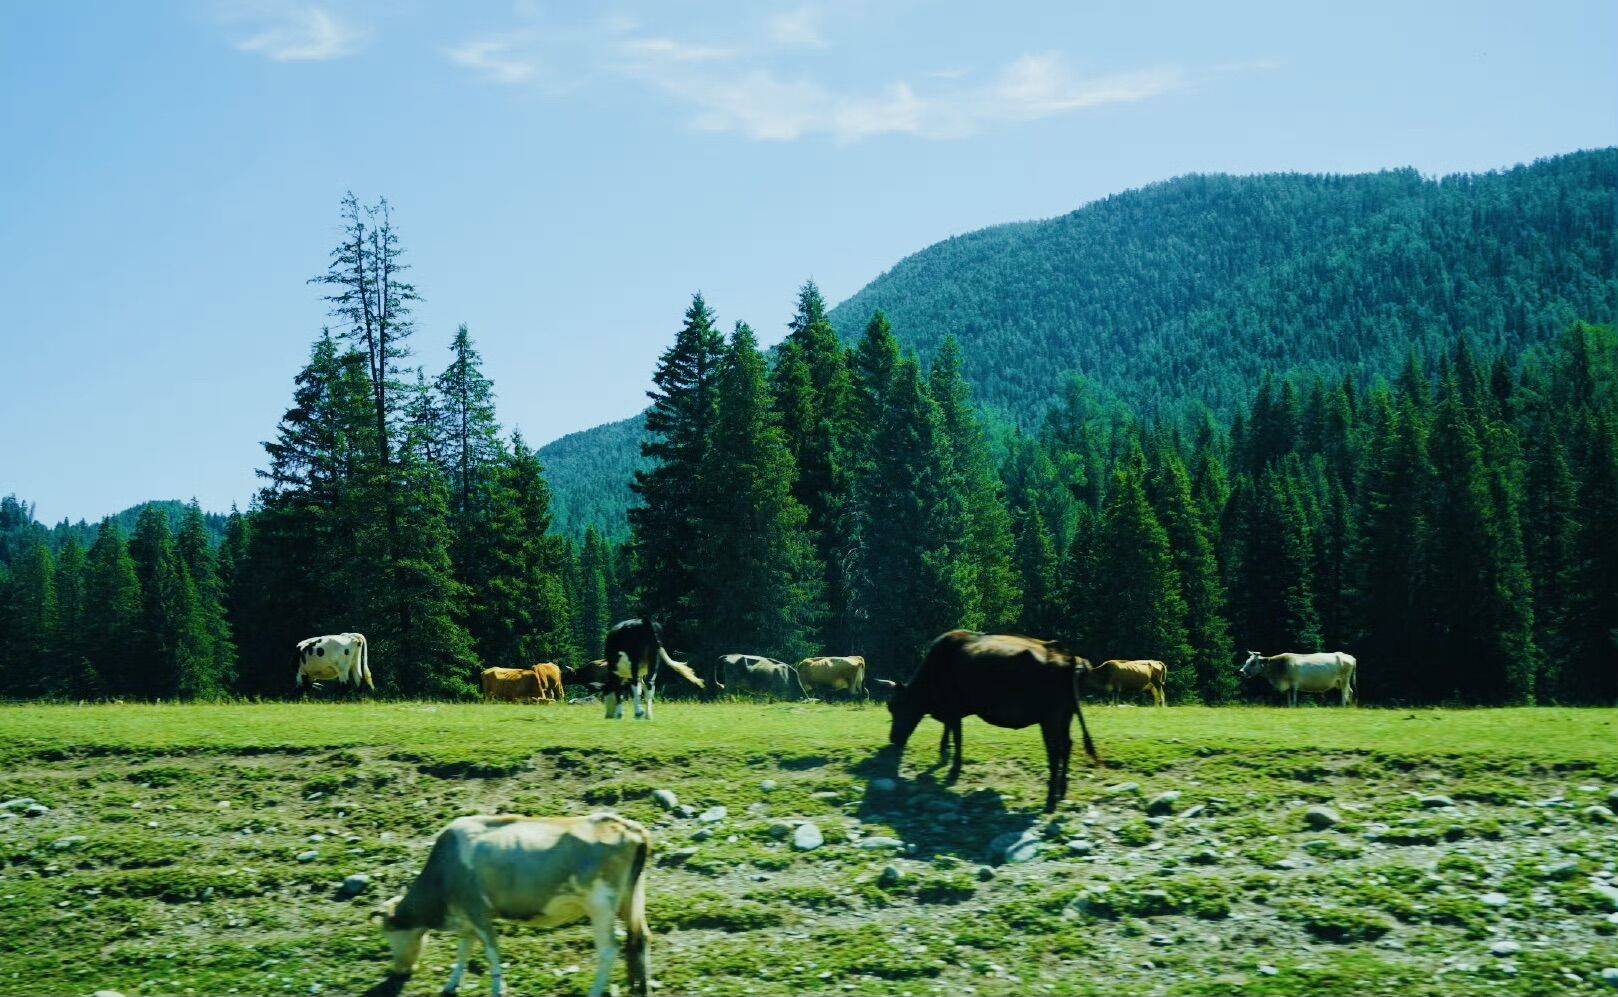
1189, 290
17, 524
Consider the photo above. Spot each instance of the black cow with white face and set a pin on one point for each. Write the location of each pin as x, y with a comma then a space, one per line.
634, 655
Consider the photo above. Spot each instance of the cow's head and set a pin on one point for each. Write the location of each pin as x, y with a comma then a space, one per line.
904, 712
404, 940
1251, 667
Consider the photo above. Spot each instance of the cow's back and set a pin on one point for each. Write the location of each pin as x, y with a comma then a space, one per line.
1007, 680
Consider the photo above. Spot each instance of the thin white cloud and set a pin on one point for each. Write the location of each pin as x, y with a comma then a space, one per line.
762, 105
507, 59
678, 51
296, 32
798, 28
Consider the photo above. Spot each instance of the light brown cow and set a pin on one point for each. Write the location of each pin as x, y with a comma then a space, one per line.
545, 872
842, 674
514, 684
550, 682
1119, 675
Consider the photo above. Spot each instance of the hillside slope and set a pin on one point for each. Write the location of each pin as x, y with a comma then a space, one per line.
1190, 289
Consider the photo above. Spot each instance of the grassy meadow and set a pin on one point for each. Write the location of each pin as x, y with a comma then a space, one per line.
200, 849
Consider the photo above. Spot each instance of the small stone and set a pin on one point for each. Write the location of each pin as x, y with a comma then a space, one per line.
1122, 788
1612, 799
882, 784
1191, 812
807, 837
985, 873
1081, 846
702, 834
891, 875
1161, 940
1597, 814
1013, 846
781, 830
106, 993
713, 815
309, 856
1436, 802
1505, 948
317, 838
1494, 900
71, 841
878, 841
1561, 870
16, 803
768, 786
679, 856
665, 798
354, 885
1609, 976
1606, 890
1321, 817
1163, 803
222, 805
36, 810
1267, 971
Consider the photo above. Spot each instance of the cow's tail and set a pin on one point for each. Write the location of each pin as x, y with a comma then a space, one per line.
365, 663
680, 668
1078, 707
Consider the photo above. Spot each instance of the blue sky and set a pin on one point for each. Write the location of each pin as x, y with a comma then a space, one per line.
565, 175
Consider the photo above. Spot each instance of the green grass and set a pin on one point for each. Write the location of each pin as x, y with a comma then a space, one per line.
193, 818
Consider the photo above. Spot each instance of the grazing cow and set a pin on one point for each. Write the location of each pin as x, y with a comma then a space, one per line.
513, 684
760, 674
343, 658
1118, 676
1294, 673
634, 655
844, 674
550, 682
594, 673
545, 872
1010, 682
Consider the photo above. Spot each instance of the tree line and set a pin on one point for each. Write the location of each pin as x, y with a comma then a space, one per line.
1455, 526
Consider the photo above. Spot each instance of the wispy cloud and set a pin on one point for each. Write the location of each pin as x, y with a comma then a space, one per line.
508, 59
798, 28
294, 32
677, 51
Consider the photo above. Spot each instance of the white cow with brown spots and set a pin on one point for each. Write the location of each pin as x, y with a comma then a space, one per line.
545, 872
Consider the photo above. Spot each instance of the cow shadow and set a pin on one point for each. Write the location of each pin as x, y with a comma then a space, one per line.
391, 985
929, 814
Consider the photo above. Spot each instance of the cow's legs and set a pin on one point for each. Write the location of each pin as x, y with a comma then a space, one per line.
601, 920
1053, 769
635, 953
649, 690
953, 726
640, 710
459, 971
485, 932
615, 706
943, 744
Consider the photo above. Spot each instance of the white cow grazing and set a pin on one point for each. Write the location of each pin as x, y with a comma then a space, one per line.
1294, 673
546, 872
341, 658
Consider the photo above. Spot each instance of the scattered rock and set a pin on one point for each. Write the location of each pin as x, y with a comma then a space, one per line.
1597, 814
1494, 900
354, 885
713, 815
686, 810
1505, 948
781, 830
316, 838
768, 786
1436, 802
1321, 817
222, 805
1163, 803
1191, 812
106, 993
1561, 870
1609, 976
985, 873
665, 798
877, 841
1081, 846
309, 856
1606, 890
882, 784
891, 875
1203, 856
1123, 788
807, 837
36, 810
16, 803
71, 841
702, 834
1267, 971
1612, 799
1013, 846
679, 856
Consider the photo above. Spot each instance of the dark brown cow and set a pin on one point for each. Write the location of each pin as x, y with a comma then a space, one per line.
1012, 682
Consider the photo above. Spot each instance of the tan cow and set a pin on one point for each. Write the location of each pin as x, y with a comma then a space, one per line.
1119, 675
514, 684
833, 674
545, 872
550, 682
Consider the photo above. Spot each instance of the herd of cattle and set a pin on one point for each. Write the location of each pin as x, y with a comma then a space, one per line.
551, 872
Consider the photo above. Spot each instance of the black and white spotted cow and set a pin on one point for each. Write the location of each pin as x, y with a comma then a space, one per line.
341, 658
634, 655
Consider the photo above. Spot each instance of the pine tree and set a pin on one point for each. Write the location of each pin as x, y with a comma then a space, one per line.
470, 431
72, 571
1207, 674
29, 602
112, 606
993, 598
592, 598
173, 652
679, 429
1592, 617
1039, 585
197, 555
1144, 615
762, 586
1551, 532
912, 582
1276, 563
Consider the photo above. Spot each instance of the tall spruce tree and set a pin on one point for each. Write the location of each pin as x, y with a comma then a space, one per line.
29, 603
1592, 616
1208, 673
1144, 615
72, 571
592, 606
112, 606
679, 438
763, 584
197, 556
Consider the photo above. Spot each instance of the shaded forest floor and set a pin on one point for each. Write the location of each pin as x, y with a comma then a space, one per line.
200, 849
